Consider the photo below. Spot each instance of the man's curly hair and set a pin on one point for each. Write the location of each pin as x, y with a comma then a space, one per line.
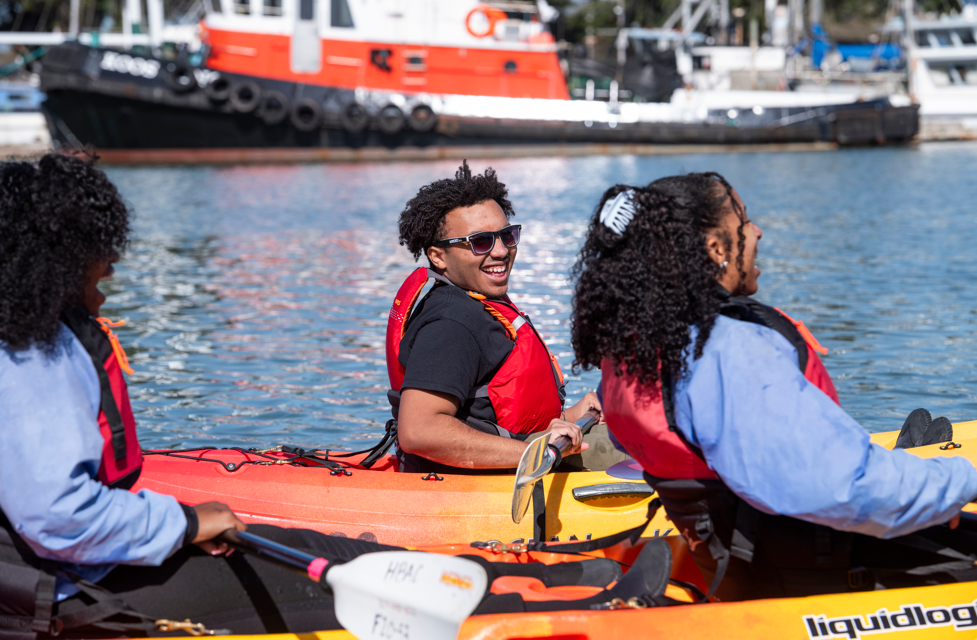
638, 293
57, 219
422, 221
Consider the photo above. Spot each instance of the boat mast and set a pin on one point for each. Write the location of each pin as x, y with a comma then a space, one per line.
909, 44
816, 9
75, 20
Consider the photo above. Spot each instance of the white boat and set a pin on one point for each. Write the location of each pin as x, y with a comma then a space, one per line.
943, 75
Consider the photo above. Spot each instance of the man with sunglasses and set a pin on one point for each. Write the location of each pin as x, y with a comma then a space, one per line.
477, 379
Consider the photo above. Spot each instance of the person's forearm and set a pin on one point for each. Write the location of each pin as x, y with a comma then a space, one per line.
449, 441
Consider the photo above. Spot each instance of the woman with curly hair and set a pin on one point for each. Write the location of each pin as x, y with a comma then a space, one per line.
80, 555
776, 489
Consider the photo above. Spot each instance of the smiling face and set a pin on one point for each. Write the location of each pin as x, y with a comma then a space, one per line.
722, 244
100, 270
486, 274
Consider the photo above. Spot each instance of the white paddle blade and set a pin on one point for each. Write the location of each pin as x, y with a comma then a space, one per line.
526, 472
406, 595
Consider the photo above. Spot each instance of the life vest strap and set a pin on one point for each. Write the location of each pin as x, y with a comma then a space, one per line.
805, 333
117, 349
479, 392
510, 327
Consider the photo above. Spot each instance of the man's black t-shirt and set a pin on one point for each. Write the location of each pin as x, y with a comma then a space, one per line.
453, 345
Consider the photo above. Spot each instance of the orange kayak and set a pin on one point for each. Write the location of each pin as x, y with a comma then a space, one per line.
410, 509
406, 509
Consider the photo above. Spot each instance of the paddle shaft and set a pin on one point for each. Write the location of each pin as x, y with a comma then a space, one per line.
587, 421
300, 561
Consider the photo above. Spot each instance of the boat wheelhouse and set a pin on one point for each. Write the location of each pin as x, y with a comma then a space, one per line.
442, 47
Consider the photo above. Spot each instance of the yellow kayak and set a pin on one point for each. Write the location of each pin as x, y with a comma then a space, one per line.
941, 611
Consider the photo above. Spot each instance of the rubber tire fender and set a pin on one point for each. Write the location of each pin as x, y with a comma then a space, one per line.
354, 117
274, 107
306, 115
218, 90
245, 96
422, 118
179, 77
391, 119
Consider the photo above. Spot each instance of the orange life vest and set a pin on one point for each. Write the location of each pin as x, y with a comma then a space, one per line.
526, 391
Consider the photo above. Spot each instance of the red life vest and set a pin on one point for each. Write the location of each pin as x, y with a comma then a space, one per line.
814, 371
121, 454
721, 528
747, 309
636, 414
527, 390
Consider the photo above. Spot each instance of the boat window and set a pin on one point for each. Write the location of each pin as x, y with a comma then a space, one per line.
940, 77
242, 7
272, 8
306, 10
341, 16
967, 36
970, 74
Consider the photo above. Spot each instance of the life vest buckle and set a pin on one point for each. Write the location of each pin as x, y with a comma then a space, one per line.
704, 529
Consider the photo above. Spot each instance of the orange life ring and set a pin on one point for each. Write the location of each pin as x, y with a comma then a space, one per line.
481, 20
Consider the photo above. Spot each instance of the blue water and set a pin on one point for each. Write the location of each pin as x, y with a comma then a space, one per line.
256, 297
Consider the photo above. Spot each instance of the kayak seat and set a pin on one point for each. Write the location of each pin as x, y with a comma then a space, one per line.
533, 590
596, 572
646, 580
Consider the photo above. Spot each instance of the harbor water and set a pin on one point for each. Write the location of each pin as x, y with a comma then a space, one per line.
256, 297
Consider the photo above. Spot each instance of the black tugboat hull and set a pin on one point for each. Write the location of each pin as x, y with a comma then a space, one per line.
90, 105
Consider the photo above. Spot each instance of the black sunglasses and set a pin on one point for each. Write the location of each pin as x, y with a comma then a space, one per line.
483, 241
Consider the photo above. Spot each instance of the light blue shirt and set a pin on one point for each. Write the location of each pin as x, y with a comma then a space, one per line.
785, 447
51, 450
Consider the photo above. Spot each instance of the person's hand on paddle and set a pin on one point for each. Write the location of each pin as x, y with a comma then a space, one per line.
559, 428
587, 403
213, 519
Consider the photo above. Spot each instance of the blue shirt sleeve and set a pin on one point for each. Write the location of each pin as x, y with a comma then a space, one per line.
783, 446
51, 449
